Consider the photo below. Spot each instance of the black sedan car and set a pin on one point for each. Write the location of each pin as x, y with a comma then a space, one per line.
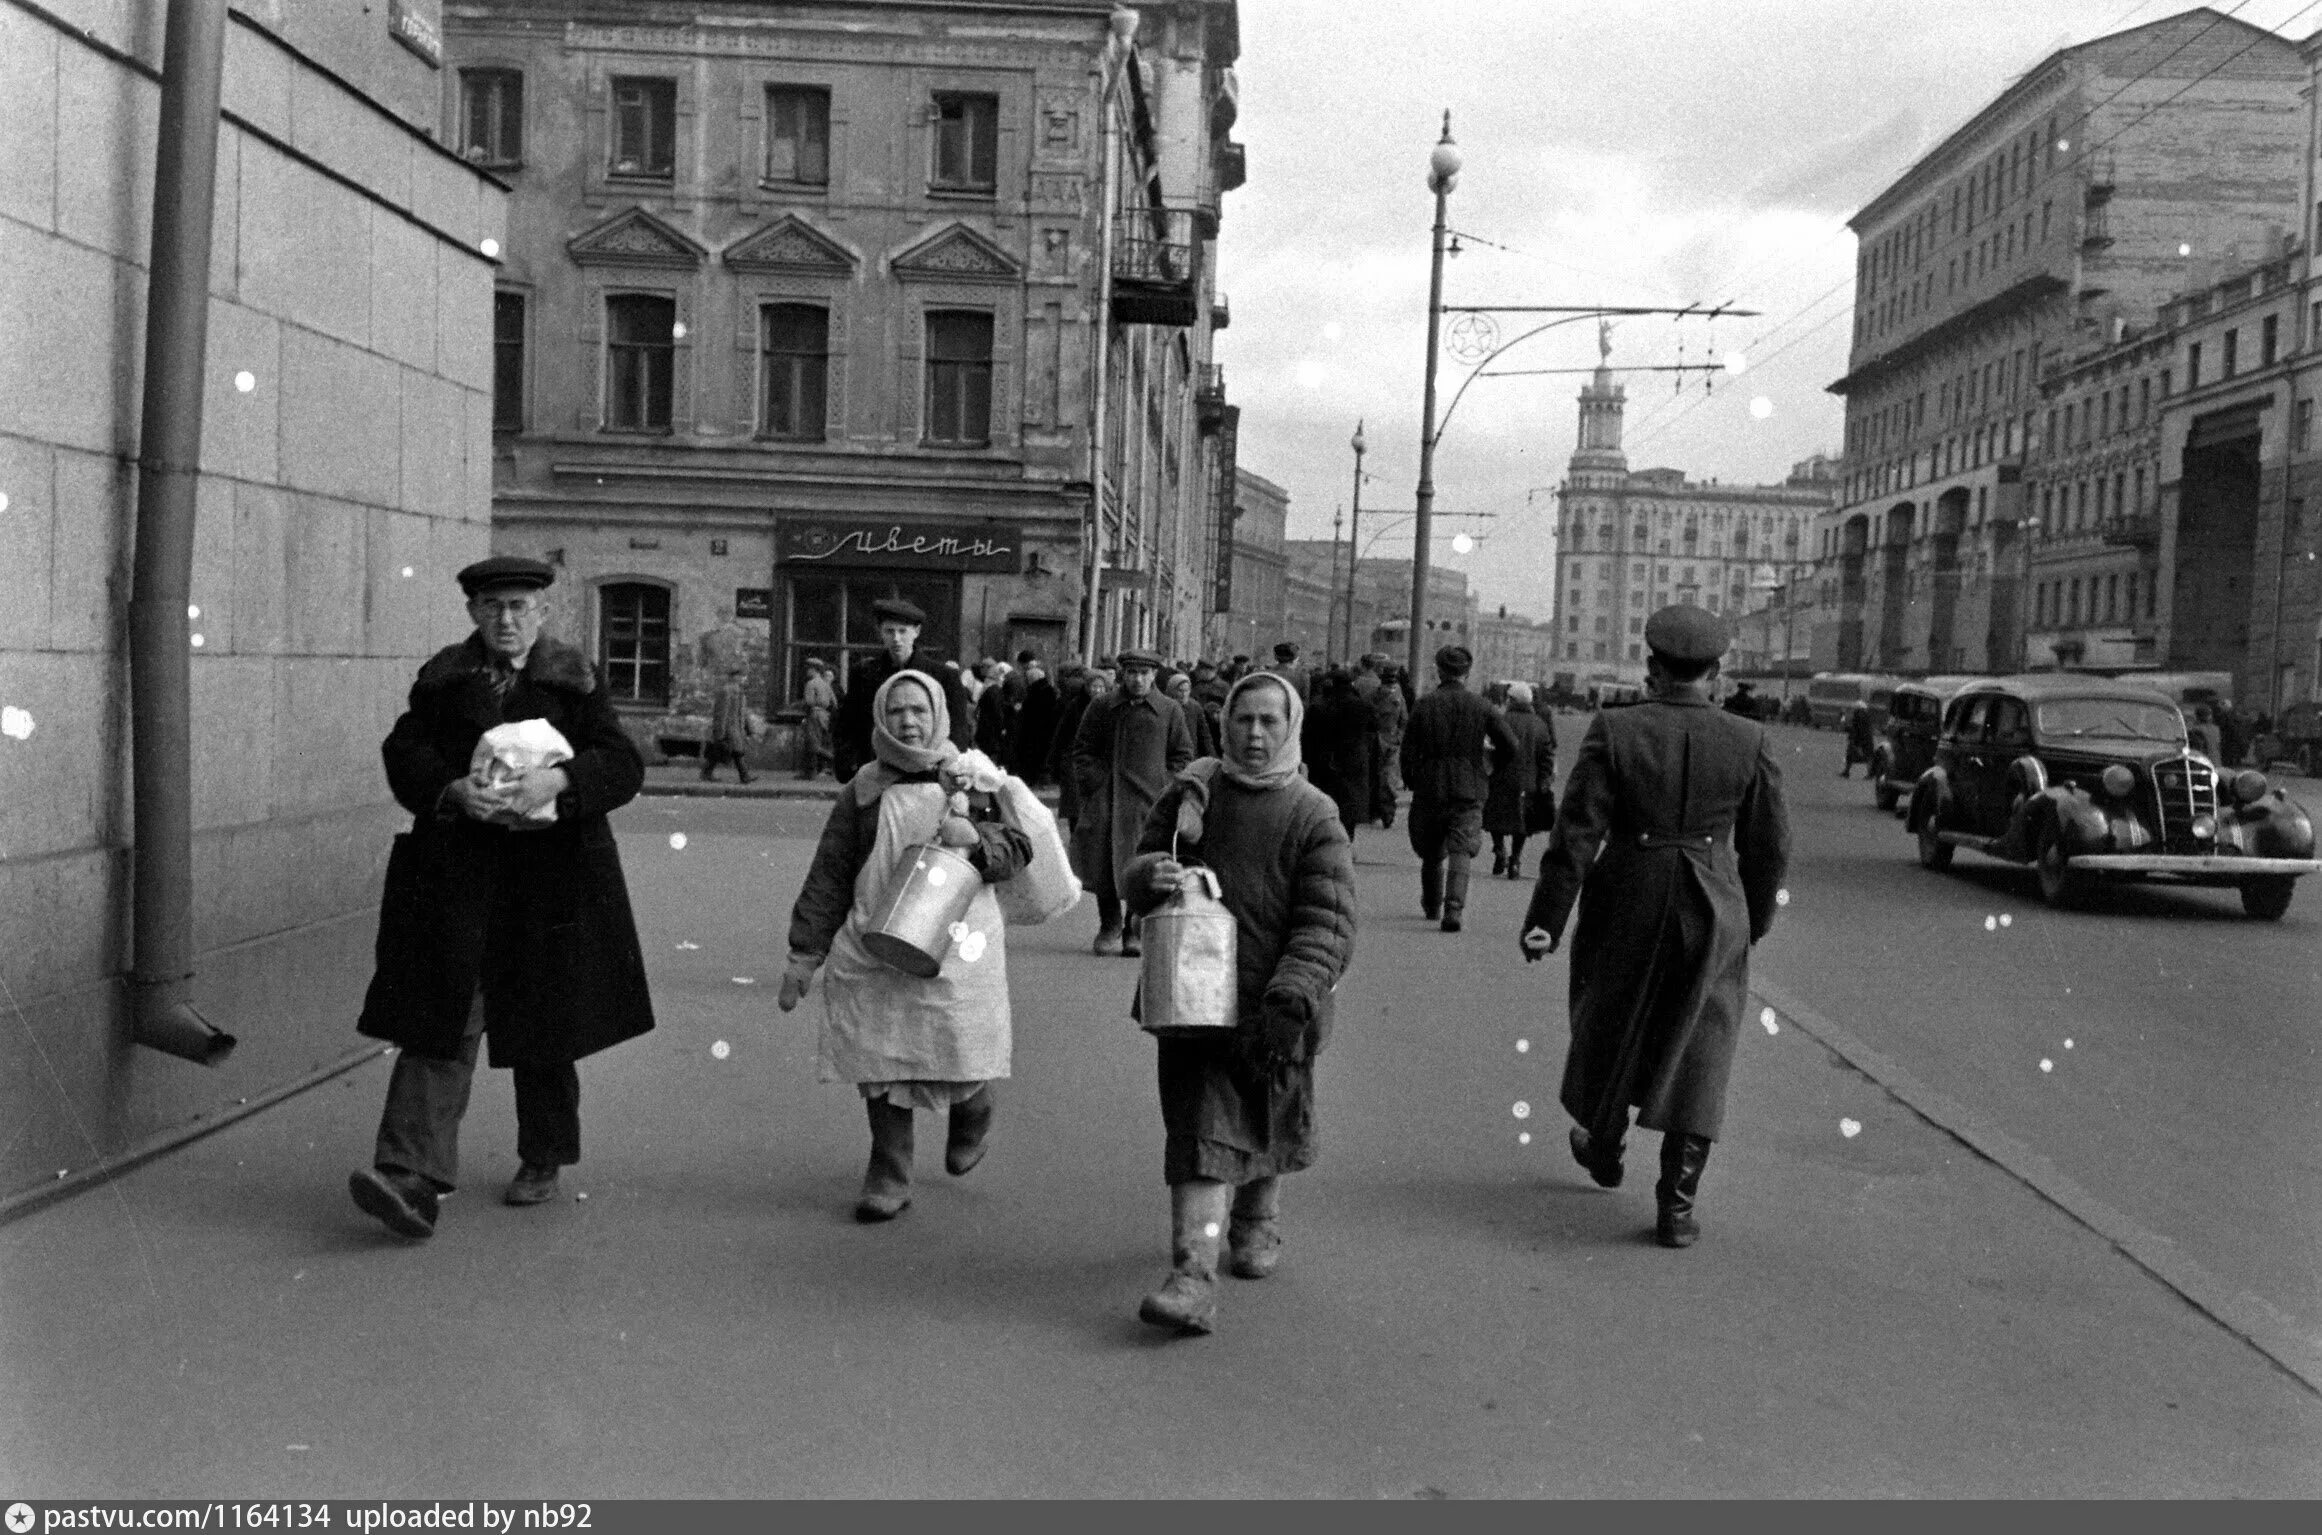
2089, 779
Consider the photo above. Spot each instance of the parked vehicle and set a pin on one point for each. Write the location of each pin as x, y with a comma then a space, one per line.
1906, 747
1832, 695
2089, 779
1614, 695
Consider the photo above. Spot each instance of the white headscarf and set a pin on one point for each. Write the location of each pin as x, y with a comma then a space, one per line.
912, 759
1287, 757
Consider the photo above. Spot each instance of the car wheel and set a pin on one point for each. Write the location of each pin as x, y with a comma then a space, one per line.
1887, 795
1934, 852
2060, 886
2267, 898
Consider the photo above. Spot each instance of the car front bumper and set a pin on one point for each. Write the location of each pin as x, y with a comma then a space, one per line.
2196, 865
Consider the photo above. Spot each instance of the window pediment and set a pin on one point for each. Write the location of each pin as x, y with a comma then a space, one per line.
957, 254
637, 238
790, 244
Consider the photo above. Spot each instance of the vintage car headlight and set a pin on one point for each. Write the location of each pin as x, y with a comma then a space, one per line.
2119, 782
2249, 786
2204, 828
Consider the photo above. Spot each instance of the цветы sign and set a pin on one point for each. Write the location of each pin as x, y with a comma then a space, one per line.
920, 545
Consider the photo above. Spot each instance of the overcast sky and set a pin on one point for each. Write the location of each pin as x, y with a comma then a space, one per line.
1648, 152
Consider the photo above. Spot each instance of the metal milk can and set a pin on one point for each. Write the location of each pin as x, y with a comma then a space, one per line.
1187, 990
928, 892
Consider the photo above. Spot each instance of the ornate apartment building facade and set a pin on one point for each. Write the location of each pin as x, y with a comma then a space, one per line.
1630, 541
2055, 221
801, 308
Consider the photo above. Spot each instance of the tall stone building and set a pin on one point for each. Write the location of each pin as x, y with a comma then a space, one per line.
345, 475
2055, 220
802, 307
1631, 541
1250, 620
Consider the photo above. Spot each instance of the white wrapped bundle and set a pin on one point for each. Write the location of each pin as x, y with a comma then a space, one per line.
507, 752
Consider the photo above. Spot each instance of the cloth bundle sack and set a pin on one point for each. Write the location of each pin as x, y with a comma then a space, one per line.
1046, 887
507, 752
1188, 986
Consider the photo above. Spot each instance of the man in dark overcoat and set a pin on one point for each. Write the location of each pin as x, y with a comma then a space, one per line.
1449, 776
1131, 743
899, 626
1674, 839
494, 923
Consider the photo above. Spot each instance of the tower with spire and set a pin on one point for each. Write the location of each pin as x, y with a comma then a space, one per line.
1597, 461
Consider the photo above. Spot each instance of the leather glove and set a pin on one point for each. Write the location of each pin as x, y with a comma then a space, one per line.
795, 981
1282, 1020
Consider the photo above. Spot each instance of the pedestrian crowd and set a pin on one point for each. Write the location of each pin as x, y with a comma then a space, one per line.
1210, 808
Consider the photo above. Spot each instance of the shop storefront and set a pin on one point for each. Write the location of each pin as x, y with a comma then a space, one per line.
828, 572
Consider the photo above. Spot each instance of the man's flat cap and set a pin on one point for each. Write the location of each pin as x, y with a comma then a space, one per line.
506, 570
1150, 658
1686, 634
1454, 658
896, 610
1287, 650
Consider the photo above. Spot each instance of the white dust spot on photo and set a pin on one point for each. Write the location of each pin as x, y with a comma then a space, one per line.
721, 1050
937, 876
1209, 1230
3, 501
1761, 407
1850, 1128
1766, 1017
192, 610
583, 1194
1991, 924
1522, 1110
677, 841
491, 249
971, 948
688, 944
407, 572
2007, 920
1523, 1137
745, 980
2068, 1044
2046, 1064
958, 931
1523, 1046
1781, 898
298, 1446
16, 723
197, 642
245, 381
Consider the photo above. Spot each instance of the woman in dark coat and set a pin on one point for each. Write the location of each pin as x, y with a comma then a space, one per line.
1180, 689
1340, 740
1520, 783
519, 933
1035, 725
1239, 1112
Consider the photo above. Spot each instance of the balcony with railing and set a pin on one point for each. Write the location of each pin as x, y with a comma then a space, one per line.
1209, 397
2139, 530
1156, 266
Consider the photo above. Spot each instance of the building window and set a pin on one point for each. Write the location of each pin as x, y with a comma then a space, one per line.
492, 116
2269, 340
1636, 626
2304, 428
644, 127
967, 142
794, 359
2131, 612
2232, 352
640, 354
798, 135
1601, 621
959, 377
633, 641
2193, 366
2111, 598
507, 362
1636, 652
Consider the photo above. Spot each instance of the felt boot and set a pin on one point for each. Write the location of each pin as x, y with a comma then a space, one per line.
1187, 1299
887, 1181
1682, 1158
1431, 889
1253, 1238
971, 1120
1454, 893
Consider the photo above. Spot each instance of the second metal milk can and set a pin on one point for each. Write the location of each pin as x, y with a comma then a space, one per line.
1189, 981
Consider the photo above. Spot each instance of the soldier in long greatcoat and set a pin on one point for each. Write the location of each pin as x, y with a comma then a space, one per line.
493, 925
1674, 840
1130, 745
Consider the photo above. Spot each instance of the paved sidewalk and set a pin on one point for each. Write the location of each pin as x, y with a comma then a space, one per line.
1873, 1309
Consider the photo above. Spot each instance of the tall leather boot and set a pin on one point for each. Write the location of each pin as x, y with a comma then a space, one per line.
1682, 1158
971, 1120
1454, 891
1254, 1241
1431, 887
1187, 1299
887, 1181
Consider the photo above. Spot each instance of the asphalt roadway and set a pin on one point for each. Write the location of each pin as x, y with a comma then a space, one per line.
1874, 1309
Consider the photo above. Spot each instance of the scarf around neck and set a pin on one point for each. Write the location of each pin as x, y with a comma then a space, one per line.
1287, 757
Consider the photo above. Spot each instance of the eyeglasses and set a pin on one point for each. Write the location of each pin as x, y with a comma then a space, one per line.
513, 607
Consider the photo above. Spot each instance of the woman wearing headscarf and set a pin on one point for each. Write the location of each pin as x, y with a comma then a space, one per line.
1238, 1112
905, 1042
1521, 784
1180, 688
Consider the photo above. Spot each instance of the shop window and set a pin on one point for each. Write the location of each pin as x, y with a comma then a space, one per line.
507, 362
492, 116
633, 641
644, 127
959, 378
967, 142
828, 615
640, 351
795, 361
798, 135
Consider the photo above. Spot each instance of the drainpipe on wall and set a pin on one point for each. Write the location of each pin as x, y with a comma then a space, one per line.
169, 441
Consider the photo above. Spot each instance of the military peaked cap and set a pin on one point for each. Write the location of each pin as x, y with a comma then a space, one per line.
896, 610
1686, 634
506, 570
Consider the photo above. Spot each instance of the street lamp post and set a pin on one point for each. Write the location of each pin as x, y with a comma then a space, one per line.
1330, 619
1120, 45
1442, 176
1354, 533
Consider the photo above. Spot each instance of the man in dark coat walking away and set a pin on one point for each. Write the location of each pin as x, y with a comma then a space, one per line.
1130, 745
1036, 722
1340, 741
1445, 768
1856, 723
1674, 839
729, 737
899, 626
495, 922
